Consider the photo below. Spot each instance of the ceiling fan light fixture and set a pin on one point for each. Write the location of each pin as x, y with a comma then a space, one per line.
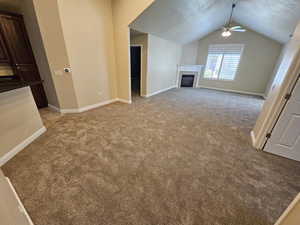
226, 33
228, 28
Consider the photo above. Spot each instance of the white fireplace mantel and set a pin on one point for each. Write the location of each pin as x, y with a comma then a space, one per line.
195, 70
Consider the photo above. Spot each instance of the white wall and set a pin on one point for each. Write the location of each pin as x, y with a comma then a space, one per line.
33, 30
79, 35
190, 53
85, 35
52, 34
143, 41
125, 12
19, 118
257, 63
163, 59
285, 76
88, 33
272, 79
160, 59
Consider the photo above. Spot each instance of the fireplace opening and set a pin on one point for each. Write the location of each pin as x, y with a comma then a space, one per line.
187, 80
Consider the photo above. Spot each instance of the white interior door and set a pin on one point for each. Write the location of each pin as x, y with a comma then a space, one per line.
285, 139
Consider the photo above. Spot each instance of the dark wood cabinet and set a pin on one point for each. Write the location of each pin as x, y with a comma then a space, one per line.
4, 58
15, 49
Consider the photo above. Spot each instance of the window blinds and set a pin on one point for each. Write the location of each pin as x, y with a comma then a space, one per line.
223, 61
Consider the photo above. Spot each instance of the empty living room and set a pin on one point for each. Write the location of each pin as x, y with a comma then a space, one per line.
149, 112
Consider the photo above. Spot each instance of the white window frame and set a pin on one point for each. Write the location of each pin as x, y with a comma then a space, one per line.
242, 47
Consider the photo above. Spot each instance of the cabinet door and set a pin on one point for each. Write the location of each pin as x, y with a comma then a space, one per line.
18, 44
22, 57
4, 58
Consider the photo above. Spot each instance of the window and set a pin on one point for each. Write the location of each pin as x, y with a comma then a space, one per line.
223, 61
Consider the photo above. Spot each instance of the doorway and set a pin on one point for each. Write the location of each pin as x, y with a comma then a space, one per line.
136, 60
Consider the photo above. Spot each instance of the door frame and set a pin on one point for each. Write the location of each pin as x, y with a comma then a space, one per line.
142, 69
261, 138
287, 97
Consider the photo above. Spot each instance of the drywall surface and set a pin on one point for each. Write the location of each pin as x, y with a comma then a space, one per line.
27, 10
124, 12
257, 63
285, 76
54, 43
142, 40
272, 79
190, 53
88, 32
163, 60
19, 119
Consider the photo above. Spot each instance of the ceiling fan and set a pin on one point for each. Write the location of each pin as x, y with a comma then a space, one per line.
228, 29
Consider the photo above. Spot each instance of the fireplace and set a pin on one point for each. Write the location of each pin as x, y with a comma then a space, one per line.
189, 75
187, 80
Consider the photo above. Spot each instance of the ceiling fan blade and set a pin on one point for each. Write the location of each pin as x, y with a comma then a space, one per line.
235, 27
240, 30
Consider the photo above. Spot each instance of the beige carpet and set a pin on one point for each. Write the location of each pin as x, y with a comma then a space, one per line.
183, 157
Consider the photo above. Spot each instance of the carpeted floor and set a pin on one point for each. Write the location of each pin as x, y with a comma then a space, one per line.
183, 157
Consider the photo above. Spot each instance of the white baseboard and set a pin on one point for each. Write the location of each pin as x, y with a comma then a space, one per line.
233, 91
21, 206
84, 109
253, 138
54, 108
124, 101
254, 142
89, 107
66, 111
4, 159
160, 91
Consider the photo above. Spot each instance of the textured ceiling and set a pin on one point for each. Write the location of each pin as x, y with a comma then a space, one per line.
188, 20
134, 33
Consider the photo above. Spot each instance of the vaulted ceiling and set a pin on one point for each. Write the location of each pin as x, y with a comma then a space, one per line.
184, 21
